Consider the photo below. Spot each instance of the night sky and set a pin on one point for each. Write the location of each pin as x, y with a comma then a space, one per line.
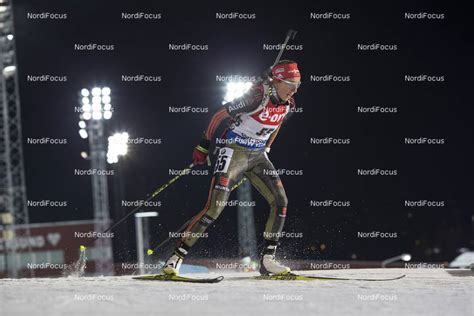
425, 109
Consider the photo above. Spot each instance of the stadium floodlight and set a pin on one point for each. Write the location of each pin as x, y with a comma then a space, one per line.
96, 91
87, 116
96, 99
105, 99
235, 90
87, 108
96, 104
83, 133
105, 91
10, 37
82, 124
118, 146
107, 115
96, 115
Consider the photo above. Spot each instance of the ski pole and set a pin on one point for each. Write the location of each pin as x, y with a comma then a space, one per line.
153, 195
290, 35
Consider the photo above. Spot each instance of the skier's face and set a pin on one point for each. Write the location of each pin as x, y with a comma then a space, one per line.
286, 88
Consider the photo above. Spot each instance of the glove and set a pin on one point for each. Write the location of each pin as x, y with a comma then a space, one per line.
201, 151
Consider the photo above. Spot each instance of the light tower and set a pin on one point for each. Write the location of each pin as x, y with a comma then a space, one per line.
13, 203
96, 108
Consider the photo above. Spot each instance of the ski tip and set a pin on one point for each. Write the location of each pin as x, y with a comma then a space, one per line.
82, 248
149, 252
220, 278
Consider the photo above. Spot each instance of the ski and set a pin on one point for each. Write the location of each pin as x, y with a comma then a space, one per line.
177, 278
297, 277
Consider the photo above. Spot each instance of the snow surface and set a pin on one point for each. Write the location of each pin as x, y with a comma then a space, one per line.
421, 292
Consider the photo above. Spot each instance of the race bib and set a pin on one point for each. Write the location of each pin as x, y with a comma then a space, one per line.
223, 161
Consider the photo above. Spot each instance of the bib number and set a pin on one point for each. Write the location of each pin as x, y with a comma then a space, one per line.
223, 161
265, 131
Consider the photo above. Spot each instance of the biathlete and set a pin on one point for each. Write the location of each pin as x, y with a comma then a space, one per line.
255, 119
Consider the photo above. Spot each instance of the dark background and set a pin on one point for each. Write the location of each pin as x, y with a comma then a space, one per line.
436, 110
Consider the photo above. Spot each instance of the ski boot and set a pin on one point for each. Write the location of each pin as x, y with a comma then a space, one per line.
268, 263
174, 262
